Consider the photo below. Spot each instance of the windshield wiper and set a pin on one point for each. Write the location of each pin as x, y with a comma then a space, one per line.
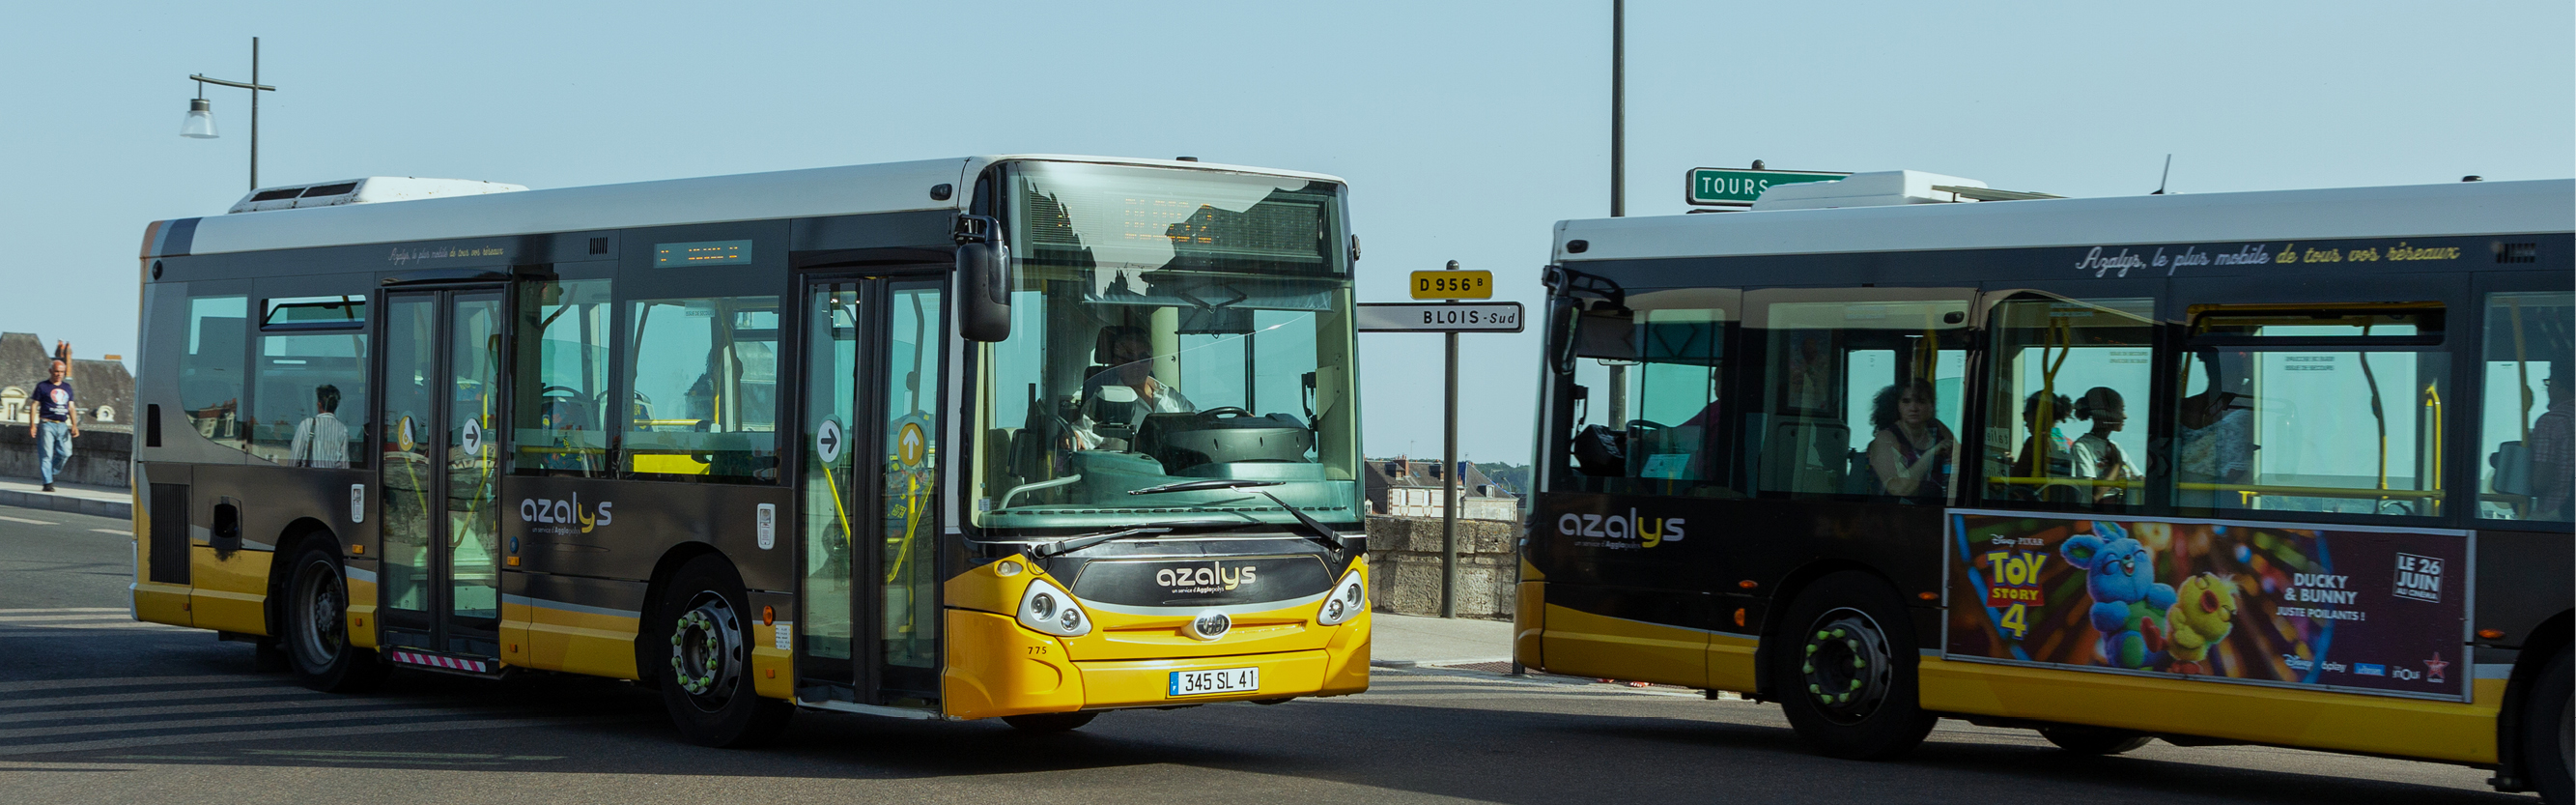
1323, 533
1076, 543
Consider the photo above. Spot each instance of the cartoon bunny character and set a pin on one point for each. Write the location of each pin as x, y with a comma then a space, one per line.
2129, 605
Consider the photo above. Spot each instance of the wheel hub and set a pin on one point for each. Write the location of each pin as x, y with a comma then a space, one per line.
707, 650
1846, 668
323, 601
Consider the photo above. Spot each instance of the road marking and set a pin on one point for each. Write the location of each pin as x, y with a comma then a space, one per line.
161, 695
117, 531
60, 609
352, 753
87, 616
192, 709
229, 721
318, 732
27, 521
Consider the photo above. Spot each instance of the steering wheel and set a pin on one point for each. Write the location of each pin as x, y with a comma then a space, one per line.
1224, 409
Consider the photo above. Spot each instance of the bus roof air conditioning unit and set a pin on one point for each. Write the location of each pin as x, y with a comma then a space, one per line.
1885, 188
365, 191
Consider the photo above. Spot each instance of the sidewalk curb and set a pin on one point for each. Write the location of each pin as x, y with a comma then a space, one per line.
1431, 663
119, 509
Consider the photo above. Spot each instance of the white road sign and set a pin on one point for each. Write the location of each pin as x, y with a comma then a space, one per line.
1464, 317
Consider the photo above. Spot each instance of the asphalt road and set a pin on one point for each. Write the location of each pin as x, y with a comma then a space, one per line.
97, 708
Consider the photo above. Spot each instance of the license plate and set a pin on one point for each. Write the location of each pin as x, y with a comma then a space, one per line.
1222, 680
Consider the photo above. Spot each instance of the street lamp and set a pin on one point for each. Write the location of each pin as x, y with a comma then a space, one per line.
201, 115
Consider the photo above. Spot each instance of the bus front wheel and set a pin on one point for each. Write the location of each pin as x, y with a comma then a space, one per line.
316, 640
1844, 674
707, 683
2549, 731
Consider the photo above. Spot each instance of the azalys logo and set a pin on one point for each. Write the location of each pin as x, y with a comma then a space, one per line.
1215, 577
564, 515
1631, 530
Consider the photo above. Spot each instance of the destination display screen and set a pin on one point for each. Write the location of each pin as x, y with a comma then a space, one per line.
701, 253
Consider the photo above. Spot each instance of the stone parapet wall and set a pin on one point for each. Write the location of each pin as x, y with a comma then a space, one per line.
1405, 555
99, 456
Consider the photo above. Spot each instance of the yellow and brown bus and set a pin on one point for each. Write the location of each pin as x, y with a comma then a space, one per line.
1029, 437
2285, 468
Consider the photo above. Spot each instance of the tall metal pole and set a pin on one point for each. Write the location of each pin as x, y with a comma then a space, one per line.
254, 115
1451, 484
1618, 175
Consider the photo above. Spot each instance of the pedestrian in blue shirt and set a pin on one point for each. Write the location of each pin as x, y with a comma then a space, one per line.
52, 420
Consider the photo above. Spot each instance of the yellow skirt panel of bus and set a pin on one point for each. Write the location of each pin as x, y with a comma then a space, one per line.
1148, 683
564, 640
2344, 722
231, 590
1584, 644
1730, 662
1346, 658
1529, 620
156, 602
362, 612
996, 668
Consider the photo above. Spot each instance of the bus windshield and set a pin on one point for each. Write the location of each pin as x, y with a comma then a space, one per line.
1168, 325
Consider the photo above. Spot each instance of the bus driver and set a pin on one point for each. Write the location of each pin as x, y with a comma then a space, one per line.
1125, 390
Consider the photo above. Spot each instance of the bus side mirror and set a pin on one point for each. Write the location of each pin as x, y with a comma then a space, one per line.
983, 281
1562, 313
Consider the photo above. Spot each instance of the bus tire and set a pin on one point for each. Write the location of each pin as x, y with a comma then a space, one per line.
1844, 672
2093, 740
315, 640
1042, 723
706, 680
2547, 723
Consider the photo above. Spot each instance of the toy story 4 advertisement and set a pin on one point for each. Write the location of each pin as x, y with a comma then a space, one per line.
2313, 606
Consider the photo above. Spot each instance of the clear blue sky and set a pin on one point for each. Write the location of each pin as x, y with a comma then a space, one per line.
1466, 129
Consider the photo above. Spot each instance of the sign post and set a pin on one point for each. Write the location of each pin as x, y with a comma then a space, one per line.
1449, 319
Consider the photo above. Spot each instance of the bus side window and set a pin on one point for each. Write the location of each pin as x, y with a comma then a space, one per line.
704, 374
2071, 370
2524, 441
563, 396
210, 371
1859, 398
2316, 409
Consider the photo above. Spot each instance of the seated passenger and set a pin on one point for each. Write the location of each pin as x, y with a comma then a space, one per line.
1128, 383
2095, 456
1911, 452
2044, 458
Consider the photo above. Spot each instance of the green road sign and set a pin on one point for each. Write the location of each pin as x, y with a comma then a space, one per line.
1735, 187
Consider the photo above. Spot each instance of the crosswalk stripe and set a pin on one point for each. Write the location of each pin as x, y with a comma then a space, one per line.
27, 521
22, 610
196, 709
162, 695
117, 531
232, 721
315, 732
120, 681
85, 616
115, 623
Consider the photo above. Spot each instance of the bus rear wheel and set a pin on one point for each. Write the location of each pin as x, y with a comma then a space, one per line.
1050, 722
1844, 674
316, 640
2549, 731
707, 684
2093, 740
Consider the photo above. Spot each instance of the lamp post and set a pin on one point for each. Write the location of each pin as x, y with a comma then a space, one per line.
201, 115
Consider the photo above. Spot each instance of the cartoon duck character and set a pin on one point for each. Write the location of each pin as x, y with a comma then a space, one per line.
2129, 605
2203, 613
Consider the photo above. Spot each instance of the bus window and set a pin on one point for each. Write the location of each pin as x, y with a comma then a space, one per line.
2333, 410
2071, 370
210, 374
704, 374
563, 395
1859, 398
311, 407
1663, 415
2524, 435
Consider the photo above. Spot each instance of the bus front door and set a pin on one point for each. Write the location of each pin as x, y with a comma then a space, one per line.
439, 583
868, 527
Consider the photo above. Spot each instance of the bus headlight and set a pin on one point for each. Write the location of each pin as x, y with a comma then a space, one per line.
1348, 600
1046, 608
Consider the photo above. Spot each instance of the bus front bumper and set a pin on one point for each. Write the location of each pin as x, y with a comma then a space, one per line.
1028, 673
